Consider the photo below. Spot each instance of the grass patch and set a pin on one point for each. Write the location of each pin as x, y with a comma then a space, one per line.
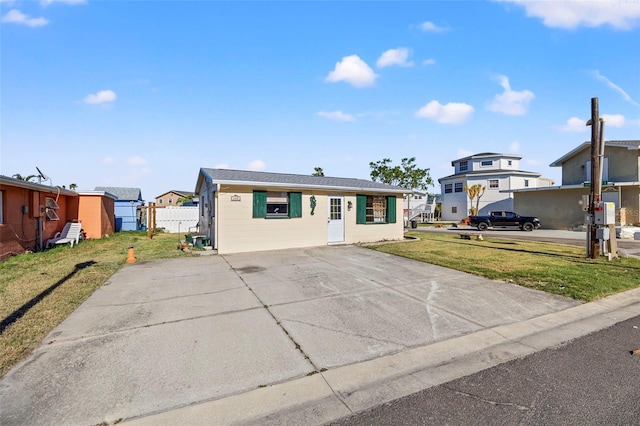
553, 268
39, 290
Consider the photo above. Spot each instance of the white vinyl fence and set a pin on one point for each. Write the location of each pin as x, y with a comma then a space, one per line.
177, 219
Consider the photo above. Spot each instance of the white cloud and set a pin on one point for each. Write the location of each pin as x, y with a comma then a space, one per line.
622, 15
451, 113
514, 147
429, 61
615, 87
353, 70
614, 120
397, 56
14, 16
575, 124
221, 166
429, 26
71, 2
136, 161
100, 97
337, 116
257, 165
511, 102
108, 161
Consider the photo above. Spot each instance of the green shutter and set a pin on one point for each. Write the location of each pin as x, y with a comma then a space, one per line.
391, 209
361, 209
260, 204
295, 204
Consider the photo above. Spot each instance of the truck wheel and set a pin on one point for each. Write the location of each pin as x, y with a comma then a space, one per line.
482, 226
527, 226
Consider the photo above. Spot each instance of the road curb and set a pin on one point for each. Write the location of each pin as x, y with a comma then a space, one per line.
338, 392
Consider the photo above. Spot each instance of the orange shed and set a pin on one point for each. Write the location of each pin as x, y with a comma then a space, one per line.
96, 212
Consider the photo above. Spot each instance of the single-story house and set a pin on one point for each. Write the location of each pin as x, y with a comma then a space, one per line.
125, 207
31, 213
243, 211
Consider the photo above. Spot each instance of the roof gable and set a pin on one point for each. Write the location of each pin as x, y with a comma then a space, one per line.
629, 144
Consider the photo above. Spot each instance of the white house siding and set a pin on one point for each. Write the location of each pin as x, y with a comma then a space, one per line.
237, 231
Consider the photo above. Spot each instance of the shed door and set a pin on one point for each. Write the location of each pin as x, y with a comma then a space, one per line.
336, 220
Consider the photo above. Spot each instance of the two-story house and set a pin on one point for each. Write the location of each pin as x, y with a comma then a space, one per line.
559, 208
500, 174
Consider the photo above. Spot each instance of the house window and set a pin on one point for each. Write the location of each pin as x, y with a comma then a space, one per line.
487, 163
1, 217
509, 162
448, 188
375, 209
274, 205
458, 187
494, 184
160, 201
464, 166
277, 204
454, 209
170, 200
526, 183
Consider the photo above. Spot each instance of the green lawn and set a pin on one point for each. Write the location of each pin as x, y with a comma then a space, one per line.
558, 269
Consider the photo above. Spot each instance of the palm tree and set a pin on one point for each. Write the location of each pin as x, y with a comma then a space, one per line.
475, 192
24, 178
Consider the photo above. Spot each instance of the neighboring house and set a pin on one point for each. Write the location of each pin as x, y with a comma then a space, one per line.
421, 206
559, 208
499, 173
125, 207
172, 198
96, 210
242, 211
31, 213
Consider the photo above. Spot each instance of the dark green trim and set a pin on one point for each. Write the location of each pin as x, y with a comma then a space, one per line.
259, 204
391, 209
361, 209
295, 204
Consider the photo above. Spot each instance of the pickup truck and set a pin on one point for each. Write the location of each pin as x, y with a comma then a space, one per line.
504, 219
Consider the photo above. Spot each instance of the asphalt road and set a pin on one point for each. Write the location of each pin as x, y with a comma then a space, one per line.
593, 380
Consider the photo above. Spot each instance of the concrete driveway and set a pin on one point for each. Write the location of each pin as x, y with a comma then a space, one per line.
236, 338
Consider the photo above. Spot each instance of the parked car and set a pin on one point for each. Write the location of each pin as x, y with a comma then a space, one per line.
505, 219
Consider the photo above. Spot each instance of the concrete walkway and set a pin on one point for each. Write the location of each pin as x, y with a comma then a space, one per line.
293, 336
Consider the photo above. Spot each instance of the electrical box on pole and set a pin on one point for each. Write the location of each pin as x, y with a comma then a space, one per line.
604, 213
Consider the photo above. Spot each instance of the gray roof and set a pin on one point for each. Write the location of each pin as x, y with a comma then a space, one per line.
267, 179
175, 191
631, 144
489, 173
486, 155
126, 194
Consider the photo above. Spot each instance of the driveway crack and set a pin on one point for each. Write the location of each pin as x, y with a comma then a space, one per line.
343, 332
278, 323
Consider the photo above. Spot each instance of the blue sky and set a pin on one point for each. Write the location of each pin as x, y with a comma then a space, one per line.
144, 93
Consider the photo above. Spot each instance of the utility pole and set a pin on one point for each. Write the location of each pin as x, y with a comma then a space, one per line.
595, 191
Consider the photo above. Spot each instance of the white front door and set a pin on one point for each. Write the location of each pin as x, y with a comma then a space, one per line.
336, 219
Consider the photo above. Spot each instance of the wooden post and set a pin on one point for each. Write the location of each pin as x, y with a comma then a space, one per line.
596, 187
613, 243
